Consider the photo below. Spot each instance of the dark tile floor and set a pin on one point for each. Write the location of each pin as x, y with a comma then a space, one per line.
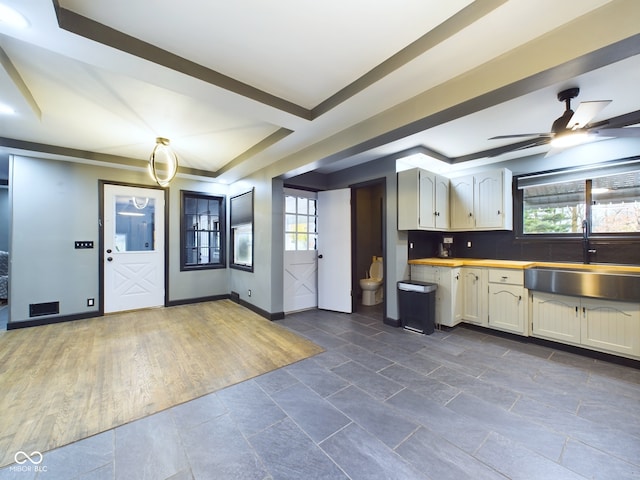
385, 403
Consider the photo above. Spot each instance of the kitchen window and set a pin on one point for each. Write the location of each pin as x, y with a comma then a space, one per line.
605, 201
202, 231
615, 204
554, 209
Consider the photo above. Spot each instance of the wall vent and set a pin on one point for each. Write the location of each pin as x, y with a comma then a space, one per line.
235, 296
48, 308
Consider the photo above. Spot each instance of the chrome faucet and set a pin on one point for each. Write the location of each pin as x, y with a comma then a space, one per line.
586, 251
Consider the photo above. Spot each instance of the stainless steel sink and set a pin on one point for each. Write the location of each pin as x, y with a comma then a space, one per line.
612, 285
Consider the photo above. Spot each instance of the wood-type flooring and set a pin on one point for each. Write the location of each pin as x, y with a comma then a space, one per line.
63, 382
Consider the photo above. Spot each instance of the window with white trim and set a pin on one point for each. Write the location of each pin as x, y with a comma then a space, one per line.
301, 222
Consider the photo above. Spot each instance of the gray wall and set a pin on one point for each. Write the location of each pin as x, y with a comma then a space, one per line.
266, 280
4, 203
4, 218
55, 203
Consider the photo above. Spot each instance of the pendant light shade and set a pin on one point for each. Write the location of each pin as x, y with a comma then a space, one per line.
163, 164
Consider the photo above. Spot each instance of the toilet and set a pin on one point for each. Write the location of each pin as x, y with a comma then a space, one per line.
372, 286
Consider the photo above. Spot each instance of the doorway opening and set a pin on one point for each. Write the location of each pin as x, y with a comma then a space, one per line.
368, 227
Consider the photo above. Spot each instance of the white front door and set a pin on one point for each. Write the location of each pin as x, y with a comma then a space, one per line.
300, 251
133, 248
334, 250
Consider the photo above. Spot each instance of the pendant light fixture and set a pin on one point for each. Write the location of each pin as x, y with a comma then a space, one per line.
163, 164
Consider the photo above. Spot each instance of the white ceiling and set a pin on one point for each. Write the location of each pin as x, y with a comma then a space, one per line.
301, 85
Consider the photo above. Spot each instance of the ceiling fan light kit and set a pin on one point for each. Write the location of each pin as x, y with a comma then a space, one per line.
573, 128
569, 139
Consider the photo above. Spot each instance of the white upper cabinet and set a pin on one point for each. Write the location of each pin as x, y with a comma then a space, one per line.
423, 200
493, 196
462, 203
482, 201
427, 201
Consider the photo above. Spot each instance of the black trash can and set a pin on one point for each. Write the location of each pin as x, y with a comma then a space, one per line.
417, 305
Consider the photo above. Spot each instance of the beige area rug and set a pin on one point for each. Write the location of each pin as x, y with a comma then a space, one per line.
64, 382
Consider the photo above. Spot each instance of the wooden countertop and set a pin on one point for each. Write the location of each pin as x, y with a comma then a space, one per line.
485, 262
470, 262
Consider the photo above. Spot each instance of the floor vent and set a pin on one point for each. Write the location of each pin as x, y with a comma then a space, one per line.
49, 308
235, 296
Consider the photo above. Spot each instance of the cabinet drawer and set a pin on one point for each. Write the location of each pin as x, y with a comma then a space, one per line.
506, 275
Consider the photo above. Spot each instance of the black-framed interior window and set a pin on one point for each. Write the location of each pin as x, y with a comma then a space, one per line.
241, 221
603, 201
202, 226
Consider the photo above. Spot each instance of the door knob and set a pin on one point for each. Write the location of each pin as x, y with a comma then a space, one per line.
109, 259
320, 256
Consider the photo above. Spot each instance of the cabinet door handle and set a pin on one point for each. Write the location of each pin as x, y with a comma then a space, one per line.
470, 214
498, 212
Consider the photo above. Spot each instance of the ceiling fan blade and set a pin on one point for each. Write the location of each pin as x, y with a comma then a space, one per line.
585, 113
522, 135
536, 142
631, 118
616, 132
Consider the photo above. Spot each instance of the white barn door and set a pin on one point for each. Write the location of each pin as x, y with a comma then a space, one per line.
300, 250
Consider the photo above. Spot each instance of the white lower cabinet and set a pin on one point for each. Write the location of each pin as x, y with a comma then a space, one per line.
602, 325
610, 326
507, 308
555, 317
508, 301
448, 298
474, 293
496, 298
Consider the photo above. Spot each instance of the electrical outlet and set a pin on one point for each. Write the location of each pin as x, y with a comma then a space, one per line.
90, 302
249, 292
410, 244
82, 244
468, 244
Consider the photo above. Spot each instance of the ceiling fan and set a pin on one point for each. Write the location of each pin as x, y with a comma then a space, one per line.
573, 128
